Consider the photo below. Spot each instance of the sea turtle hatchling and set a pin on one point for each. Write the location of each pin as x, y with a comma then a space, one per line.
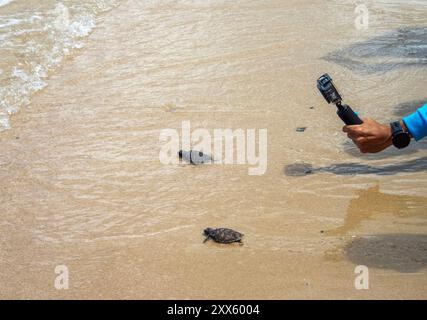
195, 157
222, 235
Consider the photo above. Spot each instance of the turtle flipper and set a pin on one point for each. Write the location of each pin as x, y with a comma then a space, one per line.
207, 238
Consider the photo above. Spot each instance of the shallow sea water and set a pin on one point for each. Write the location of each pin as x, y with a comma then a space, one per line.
86, 90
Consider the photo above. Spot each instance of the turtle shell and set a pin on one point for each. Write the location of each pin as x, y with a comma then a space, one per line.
225, 235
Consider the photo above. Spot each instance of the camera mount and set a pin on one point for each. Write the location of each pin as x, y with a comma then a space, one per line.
331, 95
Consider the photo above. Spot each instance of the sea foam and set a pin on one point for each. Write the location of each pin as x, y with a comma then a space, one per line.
4, 2
35, 42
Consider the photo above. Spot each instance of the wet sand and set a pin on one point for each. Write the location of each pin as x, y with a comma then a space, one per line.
82, 184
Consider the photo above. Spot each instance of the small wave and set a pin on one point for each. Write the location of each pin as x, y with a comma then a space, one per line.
33, 43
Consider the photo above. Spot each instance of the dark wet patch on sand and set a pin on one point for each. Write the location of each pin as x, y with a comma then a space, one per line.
371, 203
395, 49
405, 108
401, 252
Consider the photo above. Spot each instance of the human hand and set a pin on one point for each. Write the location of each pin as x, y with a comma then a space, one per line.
370, 136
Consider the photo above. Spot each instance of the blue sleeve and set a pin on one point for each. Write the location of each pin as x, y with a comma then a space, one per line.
417, 123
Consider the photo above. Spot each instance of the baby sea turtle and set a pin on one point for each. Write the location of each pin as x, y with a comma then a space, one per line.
194, 157
222, 235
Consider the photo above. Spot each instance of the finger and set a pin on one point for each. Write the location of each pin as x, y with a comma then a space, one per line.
355, 141
352, 136
355, 132
355, 127
360, 140
361, 147
352, 128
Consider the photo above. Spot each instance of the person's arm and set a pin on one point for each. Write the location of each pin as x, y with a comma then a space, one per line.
372, 137
416, 123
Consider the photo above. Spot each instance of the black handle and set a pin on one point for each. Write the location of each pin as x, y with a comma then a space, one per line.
348, 115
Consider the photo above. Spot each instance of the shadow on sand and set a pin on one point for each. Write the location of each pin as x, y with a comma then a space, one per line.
406, 108
400, 252
347, 169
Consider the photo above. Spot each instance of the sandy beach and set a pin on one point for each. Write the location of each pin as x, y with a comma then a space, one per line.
82, 184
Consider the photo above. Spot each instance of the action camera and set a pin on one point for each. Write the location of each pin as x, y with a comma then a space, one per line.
331, 95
